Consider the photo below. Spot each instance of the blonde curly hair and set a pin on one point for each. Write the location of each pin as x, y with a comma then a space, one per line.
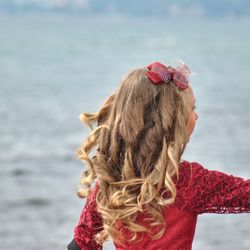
136, 151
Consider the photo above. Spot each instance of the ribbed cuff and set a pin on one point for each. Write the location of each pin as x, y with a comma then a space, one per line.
73, 246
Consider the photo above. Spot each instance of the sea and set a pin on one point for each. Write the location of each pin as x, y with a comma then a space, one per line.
53, 66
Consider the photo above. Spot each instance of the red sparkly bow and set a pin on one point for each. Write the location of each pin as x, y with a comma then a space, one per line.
159, 73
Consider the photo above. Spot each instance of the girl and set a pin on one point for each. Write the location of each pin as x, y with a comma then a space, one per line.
140, 193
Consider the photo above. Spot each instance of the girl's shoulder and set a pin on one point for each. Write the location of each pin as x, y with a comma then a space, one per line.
193, 170
195, 174
189, 170
190, 165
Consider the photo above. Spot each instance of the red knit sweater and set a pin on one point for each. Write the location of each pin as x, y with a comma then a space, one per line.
198, 191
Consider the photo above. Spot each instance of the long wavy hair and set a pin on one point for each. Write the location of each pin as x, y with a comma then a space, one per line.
134, 152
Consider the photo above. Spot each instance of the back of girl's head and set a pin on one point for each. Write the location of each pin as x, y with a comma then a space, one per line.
139, 139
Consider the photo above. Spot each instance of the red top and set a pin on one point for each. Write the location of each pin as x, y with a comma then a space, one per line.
199, 190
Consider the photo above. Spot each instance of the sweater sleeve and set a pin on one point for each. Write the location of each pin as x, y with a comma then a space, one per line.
89, 224
216, 192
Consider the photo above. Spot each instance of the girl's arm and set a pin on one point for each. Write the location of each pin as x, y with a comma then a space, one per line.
217, 192
89, 224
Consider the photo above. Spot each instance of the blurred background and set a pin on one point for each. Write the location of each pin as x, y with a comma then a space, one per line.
59, 58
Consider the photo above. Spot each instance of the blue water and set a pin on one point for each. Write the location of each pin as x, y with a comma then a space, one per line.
54, 67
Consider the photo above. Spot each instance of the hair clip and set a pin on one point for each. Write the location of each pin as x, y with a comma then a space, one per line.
158, 73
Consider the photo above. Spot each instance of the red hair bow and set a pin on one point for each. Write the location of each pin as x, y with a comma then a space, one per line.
158, 73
